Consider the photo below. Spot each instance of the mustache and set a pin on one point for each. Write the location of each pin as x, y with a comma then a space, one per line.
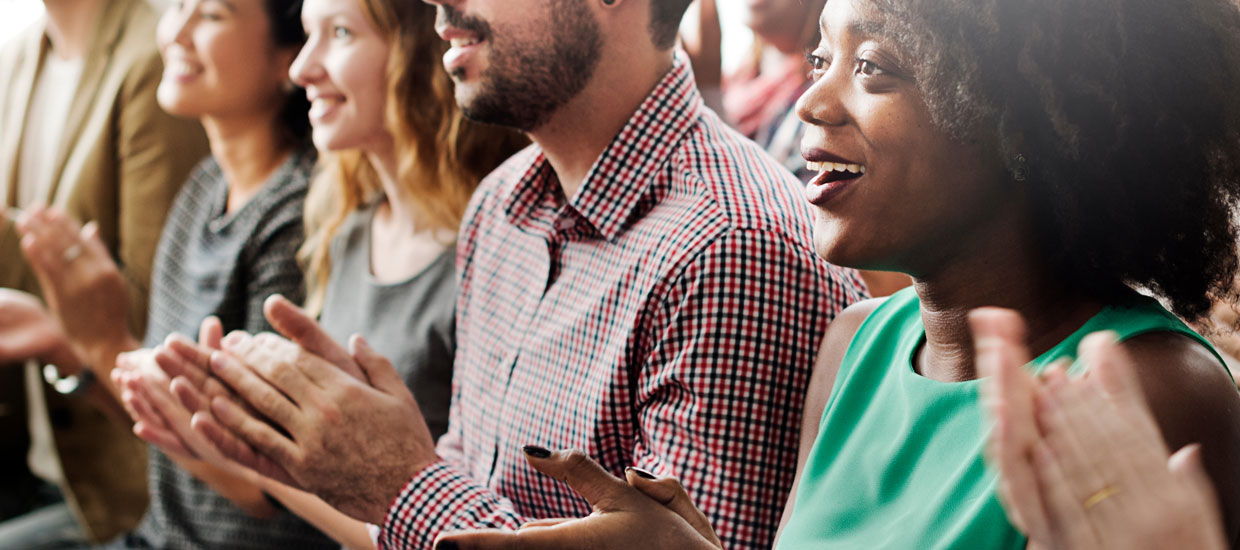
449, 16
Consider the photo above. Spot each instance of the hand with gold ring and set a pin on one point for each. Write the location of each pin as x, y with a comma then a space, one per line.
82, 286
1082, 462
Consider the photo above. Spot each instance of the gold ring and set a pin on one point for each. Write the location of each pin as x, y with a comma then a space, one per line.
1102, 494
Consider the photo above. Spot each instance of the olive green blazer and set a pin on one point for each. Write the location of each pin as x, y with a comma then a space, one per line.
121, 162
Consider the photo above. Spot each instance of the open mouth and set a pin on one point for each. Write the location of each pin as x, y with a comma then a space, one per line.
465, 42
835, 171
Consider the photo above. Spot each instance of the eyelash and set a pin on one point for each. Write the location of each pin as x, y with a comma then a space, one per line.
865, 67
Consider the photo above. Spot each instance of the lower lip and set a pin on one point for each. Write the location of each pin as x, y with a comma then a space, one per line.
183, 78
458, 56
821, 194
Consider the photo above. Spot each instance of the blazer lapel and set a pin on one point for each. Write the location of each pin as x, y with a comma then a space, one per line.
94, 67
16, 105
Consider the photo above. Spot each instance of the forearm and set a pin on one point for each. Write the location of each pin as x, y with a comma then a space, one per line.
349, 532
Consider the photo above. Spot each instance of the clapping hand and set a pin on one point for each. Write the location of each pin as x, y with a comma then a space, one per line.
1082, 462
646, 512
81, 284
334, 422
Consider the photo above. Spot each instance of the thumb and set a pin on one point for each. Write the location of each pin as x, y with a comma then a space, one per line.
300, 327
90, 236
211, 332
670, 493
601, 489
377, 370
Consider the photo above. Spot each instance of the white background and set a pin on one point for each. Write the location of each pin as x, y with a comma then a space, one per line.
16, 15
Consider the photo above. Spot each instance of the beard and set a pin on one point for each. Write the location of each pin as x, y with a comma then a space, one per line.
531, 74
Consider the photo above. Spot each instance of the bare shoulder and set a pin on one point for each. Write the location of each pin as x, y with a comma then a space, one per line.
1194, 401
835, 343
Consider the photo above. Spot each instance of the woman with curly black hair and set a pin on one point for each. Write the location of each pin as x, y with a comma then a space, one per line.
1051, 157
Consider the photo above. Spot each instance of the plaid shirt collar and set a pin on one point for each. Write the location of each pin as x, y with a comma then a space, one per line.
614, 187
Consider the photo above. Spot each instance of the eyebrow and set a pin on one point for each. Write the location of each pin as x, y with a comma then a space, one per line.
227, 4
865, 27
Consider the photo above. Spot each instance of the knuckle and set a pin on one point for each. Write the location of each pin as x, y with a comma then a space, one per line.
576, 459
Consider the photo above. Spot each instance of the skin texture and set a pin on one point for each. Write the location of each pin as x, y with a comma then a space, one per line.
317, 393
527, 78
1059, 442
344, 52
207, 37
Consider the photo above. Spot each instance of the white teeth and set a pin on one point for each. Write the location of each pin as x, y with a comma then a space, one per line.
834, 167
181, 68
464, 42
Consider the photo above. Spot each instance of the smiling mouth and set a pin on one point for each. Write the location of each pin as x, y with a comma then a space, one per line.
465, 42
835, 171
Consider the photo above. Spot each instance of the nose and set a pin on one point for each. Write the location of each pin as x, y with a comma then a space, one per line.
174, 28
307, 68
824, 103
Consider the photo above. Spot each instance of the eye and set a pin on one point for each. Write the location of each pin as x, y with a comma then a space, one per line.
869, 68
341, 32
818, 65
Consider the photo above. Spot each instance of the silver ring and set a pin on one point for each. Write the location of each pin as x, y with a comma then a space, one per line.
72, 253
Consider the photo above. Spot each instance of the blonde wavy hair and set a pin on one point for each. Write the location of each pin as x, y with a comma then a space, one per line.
441, 156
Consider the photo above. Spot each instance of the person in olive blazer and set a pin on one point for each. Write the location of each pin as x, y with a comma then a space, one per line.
120, 162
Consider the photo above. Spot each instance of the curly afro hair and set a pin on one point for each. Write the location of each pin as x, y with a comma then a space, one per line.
1122, 118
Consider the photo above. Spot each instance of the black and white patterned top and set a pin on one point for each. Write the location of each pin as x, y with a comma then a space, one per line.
210, 262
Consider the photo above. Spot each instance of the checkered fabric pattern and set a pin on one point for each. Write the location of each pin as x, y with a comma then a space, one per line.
667, 317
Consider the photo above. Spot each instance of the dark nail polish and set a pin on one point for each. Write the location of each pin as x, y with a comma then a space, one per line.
446, 545
642, 473
536, 451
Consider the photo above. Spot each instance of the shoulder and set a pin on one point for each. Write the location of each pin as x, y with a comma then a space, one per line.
1183, 381
839, 337
1194, 401
135, 54
749, 189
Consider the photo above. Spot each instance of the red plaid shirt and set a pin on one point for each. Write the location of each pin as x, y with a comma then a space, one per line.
667, 317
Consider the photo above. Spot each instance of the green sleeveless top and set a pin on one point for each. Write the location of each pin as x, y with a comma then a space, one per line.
898, 459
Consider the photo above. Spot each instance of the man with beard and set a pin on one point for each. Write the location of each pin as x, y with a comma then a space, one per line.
639, 284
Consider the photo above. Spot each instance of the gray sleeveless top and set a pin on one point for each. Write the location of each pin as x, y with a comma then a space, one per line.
411, 322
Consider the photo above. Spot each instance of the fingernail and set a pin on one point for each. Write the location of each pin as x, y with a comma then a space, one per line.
446, 545
536, 451
642, 473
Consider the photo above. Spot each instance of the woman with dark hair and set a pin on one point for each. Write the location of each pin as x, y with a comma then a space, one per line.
230, 242
1044, 157
398, 165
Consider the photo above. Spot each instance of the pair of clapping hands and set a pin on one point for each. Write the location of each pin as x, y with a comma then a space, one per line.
1082, 466
299, 409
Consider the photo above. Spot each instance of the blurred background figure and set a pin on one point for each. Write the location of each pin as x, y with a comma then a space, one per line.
756, 89
80, 129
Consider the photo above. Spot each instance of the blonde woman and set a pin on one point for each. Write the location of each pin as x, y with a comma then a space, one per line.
398, 166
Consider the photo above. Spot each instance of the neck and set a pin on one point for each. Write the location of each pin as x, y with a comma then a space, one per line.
577, 134
401, 211
992, 271
71, 25
248, 149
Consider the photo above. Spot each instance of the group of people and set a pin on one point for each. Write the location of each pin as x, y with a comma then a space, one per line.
495, 274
